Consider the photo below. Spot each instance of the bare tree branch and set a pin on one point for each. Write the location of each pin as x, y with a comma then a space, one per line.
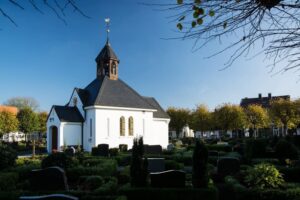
59, 8
273, 24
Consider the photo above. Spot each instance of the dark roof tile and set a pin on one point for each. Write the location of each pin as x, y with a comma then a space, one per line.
68, 114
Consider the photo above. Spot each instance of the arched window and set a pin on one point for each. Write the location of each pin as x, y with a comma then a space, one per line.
130, 126
114, 68
122, 126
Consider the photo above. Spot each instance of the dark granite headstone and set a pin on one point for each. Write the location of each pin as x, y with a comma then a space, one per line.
123, 147
153, 149
228, 166
168, 179
103, 150
50, 197
52, 178
70, 151
156, 164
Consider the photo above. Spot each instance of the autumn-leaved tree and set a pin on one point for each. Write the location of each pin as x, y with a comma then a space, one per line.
256, 117
8, 122
179, 118
28, 120
229, 117
42, 122
286, 112
201, 119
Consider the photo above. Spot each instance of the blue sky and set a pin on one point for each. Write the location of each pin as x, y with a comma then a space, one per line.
45, 59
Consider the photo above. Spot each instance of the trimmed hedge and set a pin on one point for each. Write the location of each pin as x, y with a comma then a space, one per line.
173, 165
170, 193
290, 174
105, 169
8, 181
219, 147
255, 148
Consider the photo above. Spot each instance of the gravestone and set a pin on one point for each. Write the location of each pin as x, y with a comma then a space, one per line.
52, 178
103, 150
170, 147
50, 197
228, 166
123, 147
168, 179
153, 149
70, 151
156, 165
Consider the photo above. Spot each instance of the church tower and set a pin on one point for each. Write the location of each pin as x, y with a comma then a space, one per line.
107, 61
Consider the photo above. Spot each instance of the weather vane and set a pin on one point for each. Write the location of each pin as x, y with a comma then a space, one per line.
107, 21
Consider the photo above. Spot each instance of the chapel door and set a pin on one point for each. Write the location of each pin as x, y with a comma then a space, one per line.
54, 138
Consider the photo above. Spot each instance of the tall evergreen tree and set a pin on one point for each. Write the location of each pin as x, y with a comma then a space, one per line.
139, 166
200, 174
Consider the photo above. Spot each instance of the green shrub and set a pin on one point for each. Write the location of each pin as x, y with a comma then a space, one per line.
228, 166
59, 159
8, 156
173, 165
107, 168
219, 147
285, 150
272, 161
10, 195
90, 183
264, 176
255, 148
28, 161
170, 193
124, 176
93, 162
109, 187
113, 151
8, 181
200, 173
123, 160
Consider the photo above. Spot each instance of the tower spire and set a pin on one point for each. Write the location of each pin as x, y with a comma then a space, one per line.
107, 21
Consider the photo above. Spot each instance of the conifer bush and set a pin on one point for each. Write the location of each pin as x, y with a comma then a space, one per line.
139, 166
285, 150
200, 160
8, 156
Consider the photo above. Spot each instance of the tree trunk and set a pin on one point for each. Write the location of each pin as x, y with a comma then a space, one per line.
33, 148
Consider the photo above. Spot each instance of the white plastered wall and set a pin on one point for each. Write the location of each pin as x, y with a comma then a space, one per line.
160, 132
107, 126
88, 130
71, 134
53, 120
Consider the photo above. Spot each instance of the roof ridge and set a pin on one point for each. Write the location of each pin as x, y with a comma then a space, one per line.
101, 89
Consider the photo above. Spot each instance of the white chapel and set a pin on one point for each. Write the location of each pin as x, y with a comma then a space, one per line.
106, 111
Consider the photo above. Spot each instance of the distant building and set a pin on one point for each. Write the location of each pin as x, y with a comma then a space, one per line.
12, 109
262, 101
